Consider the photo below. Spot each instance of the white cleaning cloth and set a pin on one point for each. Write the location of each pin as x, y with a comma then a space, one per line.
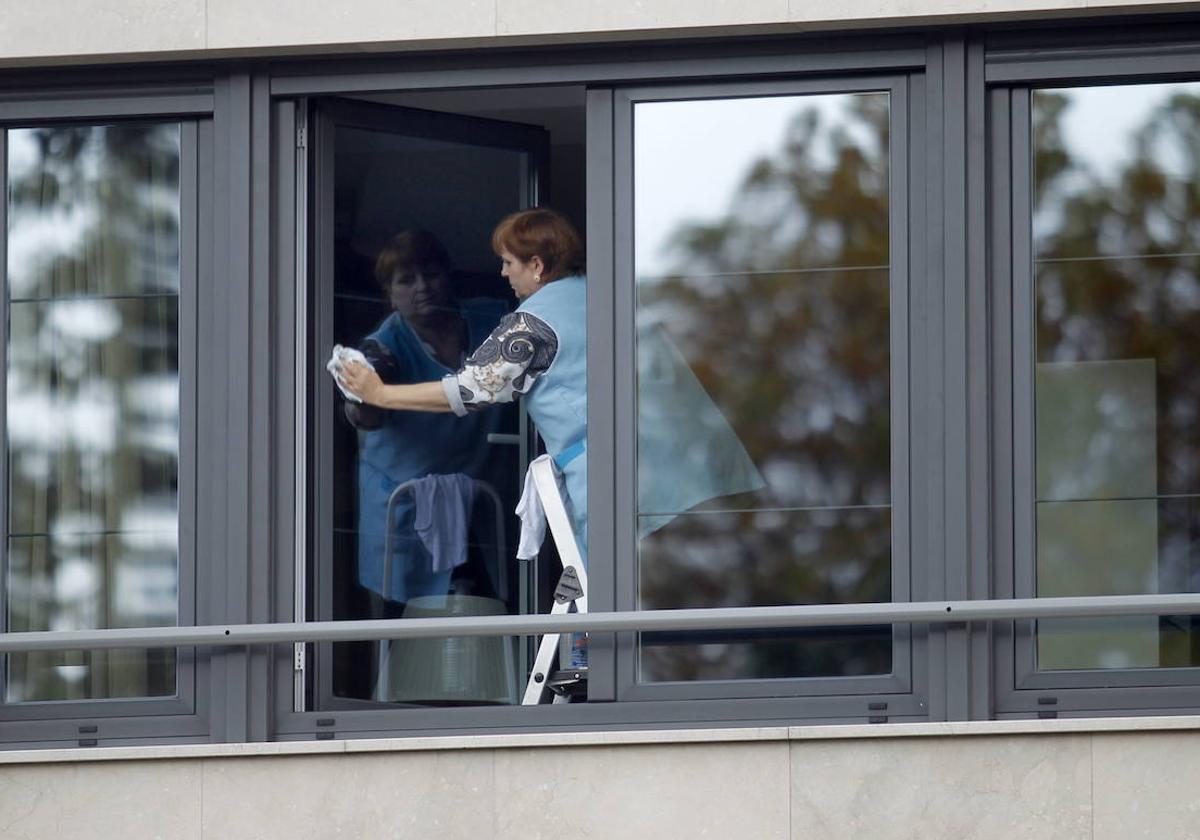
532, 514
343, 356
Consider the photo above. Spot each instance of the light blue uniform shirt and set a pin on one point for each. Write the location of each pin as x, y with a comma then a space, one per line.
687, 451
414, 444
557, 402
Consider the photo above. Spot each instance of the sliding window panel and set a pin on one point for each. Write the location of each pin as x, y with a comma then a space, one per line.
1106, 392
766, 280
100, 264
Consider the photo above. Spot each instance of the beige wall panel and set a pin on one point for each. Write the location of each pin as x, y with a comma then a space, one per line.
101, 801
524, 17
416, 794
83, 30
1035, 788
1098, 786
86, 27
1142, 6
812, 11
269, 23
651, 792
1146, 786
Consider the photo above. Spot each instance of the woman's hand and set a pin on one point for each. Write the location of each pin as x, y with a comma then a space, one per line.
362, 382
365, 383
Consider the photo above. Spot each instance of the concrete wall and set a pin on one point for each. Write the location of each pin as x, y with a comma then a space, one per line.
1110, 783
61, 31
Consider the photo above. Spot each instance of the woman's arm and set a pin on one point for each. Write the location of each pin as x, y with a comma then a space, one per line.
505, 366
420, 396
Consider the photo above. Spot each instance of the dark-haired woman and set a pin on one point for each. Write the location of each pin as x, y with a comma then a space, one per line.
539, 351
425, 337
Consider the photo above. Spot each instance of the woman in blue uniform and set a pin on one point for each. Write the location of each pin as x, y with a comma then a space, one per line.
688, 453
426, 337
538, 351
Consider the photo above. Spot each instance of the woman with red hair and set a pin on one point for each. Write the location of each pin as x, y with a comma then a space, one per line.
538, 352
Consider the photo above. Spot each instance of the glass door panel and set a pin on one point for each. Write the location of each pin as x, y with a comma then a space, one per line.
763, 276
406, 203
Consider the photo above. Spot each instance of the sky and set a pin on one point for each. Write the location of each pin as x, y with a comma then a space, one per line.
691, 156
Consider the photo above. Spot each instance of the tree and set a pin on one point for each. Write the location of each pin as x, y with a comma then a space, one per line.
781, 309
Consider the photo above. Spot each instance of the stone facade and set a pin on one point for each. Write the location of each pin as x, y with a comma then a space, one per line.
1076, 780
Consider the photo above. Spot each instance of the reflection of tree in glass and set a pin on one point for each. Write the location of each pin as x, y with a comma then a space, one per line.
93, 399
781, 309
1118, 278
1146, 304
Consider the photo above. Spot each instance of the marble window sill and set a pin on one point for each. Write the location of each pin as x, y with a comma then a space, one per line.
832, 732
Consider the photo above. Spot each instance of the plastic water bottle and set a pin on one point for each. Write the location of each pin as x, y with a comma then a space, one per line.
579, 650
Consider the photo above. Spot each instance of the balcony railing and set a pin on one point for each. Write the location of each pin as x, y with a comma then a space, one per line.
739, 618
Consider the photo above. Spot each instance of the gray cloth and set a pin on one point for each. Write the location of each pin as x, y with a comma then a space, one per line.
442, 517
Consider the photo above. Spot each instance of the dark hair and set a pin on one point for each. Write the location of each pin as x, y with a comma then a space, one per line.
544, 233
414, 247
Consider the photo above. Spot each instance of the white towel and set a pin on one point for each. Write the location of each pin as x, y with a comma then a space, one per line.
343, 356
532, 514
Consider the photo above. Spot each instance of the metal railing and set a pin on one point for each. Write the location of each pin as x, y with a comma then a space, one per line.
739, 618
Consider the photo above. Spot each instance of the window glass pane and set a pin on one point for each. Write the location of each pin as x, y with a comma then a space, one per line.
763, 363
1116, 228
395, 207
417, 519
93, 402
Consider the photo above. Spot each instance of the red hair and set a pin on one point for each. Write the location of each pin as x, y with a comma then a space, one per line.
541, 232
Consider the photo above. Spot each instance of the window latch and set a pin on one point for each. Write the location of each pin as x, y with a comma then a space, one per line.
89, 729
1047, 713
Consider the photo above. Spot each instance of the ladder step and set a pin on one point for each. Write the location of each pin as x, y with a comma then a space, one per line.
570, 593
571, 682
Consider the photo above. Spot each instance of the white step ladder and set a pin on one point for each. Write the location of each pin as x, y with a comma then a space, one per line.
572, 586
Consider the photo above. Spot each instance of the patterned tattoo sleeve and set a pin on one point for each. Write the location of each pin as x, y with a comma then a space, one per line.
519, 350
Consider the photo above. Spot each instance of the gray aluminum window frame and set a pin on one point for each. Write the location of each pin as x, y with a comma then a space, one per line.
1016, 68
908, 663
129, 720
324, 117
254, 248
899, 69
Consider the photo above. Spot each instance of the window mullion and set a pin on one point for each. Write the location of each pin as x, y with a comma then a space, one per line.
603, 499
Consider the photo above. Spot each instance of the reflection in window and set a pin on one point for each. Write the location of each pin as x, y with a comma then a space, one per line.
1116, 228
417, 289
93, 402
763, 359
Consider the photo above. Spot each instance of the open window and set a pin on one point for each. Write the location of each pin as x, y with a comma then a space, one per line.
748, 374
407, 189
